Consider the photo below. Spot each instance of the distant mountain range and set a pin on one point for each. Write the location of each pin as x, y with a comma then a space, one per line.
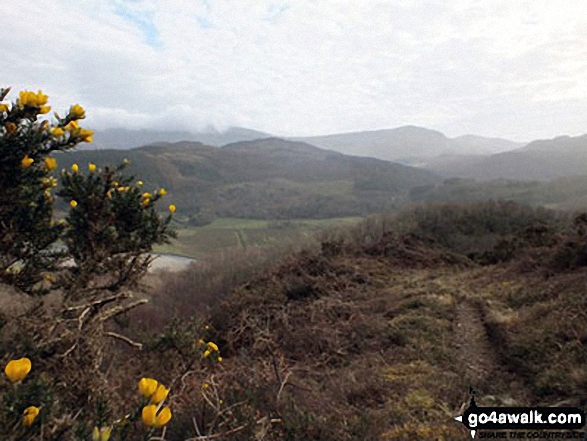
409, 144
468, 156
125, 139
541, 160
269, 178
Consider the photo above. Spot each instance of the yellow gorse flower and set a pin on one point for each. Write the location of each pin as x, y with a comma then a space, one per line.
87, 135
160, 394
17, 370
139, 183
50, 163
213, 345
26, 162
102, 434
4, 107
146, 199
75, 168
32, 99
92, 167
72, 126
172, 208
147, 387
57, 132
44, 109
153, 419
29, 415
73, 204
162, 192
77, 112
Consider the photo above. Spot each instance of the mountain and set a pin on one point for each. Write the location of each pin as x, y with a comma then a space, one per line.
408, 144
479, 145
539, 160
268, 178
125, 139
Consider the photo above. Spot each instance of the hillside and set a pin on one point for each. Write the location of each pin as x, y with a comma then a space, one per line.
539, 160
381, 333
408, 144
270, 178
125, 139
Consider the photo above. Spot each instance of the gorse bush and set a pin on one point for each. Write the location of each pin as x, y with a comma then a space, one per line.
89, 264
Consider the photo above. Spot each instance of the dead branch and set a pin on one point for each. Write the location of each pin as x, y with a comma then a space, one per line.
125, 339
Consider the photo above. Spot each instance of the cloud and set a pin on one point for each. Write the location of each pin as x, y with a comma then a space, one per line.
491, 67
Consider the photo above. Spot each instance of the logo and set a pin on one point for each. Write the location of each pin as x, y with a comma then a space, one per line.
530, 421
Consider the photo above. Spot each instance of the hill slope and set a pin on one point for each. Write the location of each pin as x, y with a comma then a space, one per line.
540, 160
125, 139
408, 144
269, 178
381, 336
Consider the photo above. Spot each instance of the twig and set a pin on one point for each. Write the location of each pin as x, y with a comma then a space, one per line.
124, 339
283, 383
217, 435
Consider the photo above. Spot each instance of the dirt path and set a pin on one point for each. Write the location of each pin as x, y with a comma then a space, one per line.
474, 351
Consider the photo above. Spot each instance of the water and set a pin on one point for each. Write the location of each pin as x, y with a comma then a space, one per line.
170, 262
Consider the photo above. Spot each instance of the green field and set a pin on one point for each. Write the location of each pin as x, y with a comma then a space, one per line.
230, 233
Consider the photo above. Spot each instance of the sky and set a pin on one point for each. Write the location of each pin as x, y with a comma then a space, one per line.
502, 68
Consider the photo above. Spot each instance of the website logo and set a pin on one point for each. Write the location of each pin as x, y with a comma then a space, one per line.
533, 420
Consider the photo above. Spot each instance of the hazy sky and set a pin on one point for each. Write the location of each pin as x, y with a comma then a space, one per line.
511, 68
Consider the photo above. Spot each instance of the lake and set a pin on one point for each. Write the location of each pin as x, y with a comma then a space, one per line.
170, 262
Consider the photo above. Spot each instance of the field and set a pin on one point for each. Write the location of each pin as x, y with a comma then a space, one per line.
230, 233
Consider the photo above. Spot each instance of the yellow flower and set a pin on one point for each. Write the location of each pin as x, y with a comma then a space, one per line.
17, 370
172, 208
32, 99
201, 342
109, 194
44, 109
207, 352
92, 167
219, 359
4, 107
57, 132
126, 161
72, 126
152, 419
77, 112
121, 189
102, 434
73, 204
26, 162
139, 183
146, 199
75, 168
50, 163
29, 415
162, 192
86, 135
212, 345
147, 387
205, 385
160, 394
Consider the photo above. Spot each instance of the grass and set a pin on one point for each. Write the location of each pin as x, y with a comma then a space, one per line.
231, 233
